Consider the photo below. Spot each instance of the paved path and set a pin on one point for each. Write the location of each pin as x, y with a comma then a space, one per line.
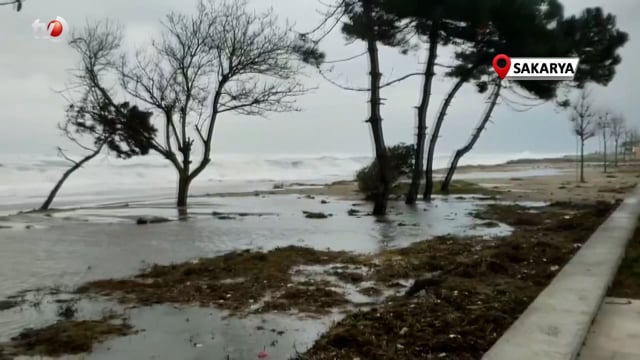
615, 334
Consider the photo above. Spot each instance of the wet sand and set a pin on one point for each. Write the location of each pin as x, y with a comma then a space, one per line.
532, 181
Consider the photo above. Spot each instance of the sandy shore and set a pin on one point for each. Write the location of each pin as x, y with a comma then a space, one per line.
559, 182
566, 186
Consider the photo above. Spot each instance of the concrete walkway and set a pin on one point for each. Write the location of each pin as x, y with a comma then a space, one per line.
615, 334
557, 322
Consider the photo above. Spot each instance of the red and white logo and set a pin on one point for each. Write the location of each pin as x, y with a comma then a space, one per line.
54, 30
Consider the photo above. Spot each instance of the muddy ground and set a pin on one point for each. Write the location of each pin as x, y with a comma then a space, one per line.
448, 297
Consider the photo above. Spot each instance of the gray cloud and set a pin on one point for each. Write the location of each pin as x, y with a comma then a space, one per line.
332, 120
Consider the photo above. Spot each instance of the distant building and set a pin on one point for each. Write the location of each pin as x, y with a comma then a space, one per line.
636, 152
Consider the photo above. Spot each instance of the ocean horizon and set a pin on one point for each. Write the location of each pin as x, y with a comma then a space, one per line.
26, 179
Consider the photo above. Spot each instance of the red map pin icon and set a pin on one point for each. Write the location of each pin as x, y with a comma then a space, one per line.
503, 70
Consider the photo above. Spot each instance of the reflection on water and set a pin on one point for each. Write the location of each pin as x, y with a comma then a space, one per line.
75, 246
172, 332
205, 334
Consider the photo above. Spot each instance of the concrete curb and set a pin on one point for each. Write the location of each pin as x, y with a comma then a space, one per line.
556, 323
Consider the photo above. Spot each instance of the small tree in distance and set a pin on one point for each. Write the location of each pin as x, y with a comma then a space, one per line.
616, 129
602, 126
631, 138
583, 118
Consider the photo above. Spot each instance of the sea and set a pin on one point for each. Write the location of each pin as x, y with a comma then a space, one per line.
26, 179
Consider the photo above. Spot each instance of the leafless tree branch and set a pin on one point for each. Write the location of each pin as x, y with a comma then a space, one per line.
61, 153
333, 15
387, 84
345, 59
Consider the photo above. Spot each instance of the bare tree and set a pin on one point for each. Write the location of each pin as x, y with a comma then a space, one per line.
222, 59
602, 126
617, 130
583, 118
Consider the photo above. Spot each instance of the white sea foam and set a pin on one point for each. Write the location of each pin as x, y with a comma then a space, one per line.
25, 177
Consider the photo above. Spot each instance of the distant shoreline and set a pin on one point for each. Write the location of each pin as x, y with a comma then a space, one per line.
589, 159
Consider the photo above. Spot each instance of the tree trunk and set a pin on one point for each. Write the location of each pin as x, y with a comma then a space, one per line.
435, 132
446, 182
71, 170
375, 120
582, 159
421, 135
184, 178
183, 193
604, 152
615, 152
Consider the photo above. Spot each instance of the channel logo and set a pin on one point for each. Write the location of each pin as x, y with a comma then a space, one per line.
54, 30
535, 68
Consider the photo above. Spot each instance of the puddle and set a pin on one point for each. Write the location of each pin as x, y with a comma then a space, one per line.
170, 332
74, 246
342, 278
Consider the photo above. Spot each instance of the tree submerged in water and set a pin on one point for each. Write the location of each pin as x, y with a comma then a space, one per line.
401, 160
220, 60
93, 122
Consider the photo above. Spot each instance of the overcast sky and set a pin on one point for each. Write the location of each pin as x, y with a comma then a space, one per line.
332, 119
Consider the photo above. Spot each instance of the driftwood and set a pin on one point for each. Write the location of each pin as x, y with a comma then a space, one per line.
425, 283
431, 280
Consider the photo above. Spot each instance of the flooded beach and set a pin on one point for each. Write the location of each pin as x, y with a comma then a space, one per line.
48, 256
66, 248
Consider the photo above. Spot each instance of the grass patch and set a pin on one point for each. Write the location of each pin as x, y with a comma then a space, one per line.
617, 190
627, 281
66, 337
